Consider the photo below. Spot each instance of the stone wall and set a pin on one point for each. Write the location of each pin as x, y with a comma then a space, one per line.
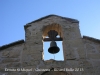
79, 54
92, 50
10, 58
73, 47
70, 33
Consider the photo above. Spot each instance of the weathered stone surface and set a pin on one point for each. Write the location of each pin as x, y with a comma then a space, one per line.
23, 73
5, 53
7, 60
78, 52
13, 52
13, 73
30, 63
2, 67
94, 56
72, 63
16, 65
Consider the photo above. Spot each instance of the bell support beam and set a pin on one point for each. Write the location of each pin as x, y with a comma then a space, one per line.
52, 36
49, 39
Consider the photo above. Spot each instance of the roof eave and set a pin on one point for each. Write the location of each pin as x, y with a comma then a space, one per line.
91, 39
11, 44
70, 19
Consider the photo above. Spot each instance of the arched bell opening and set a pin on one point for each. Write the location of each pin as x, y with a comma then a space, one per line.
52, 42
53, 26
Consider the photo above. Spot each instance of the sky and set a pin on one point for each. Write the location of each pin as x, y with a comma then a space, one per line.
14, 14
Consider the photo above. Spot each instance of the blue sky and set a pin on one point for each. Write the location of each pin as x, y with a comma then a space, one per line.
14, 14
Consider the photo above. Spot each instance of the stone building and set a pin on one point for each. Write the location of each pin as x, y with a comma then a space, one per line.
81, 54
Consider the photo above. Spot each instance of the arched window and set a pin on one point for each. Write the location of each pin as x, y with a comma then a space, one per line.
53, 28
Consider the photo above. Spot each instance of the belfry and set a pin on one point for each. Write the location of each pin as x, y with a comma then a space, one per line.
81, 53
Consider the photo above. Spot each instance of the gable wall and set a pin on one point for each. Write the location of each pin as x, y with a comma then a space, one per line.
73, 47
78, 52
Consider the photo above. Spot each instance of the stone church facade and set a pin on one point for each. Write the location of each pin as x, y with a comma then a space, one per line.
81, 54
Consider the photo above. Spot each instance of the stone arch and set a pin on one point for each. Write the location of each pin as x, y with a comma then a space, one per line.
53, 26
58, 28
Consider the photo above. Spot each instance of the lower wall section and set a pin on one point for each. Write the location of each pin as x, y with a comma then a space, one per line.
52, 67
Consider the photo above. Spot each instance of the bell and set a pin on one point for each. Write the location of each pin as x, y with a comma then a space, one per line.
53, 48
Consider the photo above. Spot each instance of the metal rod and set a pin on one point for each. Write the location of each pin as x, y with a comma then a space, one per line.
54, 55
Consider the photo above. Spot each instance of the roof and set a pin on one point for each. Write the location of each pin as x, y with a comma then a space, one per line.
91, 39
11, 44
66, 18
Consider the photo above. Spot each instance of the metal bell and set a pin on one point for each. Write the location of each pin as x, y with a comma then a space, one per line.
53, 48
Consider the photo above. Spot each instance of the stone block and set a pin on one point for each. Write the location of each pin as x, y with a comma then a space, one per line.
26, 58
73, 63
14, 53
7, 60
15, 65
2, 67
93, 55
23, 73
13, 73
5, 53
11, 53
37, 56
30, 63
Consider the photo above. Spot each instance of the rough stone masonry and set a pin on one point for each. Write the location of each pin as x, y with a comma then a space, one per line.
81, 54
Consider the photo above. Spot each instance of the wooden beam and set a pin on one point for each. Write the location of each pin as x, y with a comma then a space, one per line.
48, 39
